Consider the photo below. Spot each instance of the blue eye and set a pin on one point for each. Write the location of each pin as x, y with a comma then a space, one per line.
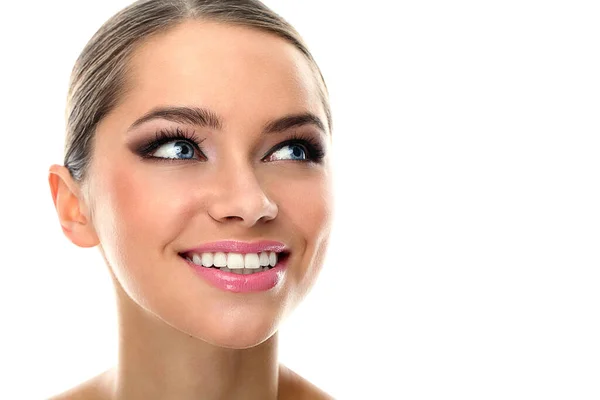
172, 144
176, 149
179, 144
300, 147
293, 151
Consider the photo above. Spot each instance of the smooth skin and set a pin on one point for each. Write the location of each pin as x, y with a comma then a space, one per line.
179, 337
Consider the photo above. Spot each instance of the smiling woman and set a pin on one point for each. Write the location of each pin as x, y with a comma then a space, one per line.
198, 161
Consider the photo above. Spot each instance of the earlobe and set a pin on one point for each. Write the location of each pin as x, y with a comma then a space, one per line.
69, 206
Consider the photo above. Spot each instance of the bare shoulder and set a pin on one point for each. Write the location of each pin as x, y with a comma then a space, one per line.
295, 387
95, 388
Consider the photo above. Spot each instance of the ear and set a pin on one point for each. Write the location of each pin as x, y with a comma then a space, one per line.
71, 208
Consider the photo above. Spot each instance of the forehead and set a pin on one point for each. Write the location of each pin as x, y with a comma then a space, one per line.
240, 72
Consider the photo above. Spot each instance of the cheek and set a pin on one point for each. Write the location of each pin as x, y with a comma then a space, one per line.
307, 204
138, 204
139, 210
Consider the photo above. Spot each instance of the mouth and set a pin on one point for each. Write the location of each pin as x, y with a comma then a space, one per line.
237, 263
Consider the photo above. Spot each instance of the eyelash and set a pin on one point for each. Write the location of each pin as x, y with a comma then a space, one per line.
314, 150
164, 136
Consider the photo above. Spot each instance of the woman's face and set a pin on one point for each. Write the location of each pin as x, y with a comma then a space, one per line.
240, 186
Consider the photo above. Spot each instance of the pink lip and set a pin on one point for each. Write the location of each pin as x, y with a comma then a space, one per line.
256, 282
233, 246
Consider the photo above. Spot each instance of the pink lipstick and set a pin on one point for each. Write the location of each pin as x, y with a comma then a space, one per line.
234, 282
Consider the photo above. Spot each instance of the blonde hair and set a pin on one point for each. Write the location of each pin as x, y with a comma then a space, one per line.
98, 77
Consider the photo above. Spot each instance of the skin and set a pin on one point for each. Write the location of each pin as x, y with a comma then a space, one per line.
180, 337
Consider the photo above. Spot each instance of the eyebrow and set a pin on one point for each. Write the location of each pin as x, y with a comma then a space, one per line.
209, 119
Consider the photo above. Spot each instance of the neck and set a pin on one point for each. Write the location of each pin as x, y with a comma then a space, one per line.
157, 361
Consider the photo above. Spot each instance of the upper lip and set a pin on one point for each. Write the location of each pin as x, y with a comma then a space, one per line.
235, 246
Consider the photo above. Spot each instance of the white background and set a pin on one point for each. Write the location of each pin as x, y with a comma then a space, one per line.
464, 260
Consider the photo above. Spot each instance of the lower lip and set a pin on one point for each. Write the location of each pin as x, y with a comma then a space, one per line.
231, 282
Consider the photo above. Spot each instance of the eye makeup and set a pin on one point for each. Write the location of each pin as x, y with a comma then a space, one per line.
313, 149
168, 135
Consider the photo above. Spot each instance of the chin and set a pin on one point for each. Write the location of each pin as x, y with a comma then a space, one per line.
237, 339
244, 342
233, 329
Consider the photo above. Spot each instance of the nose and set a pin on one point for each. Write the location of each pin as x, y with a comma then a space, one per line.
239, 196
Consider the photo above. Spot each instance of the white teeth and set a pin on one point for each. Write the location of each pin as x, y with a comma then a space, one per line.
196, 259
251, 261
235, 261
207, 259
244, 263
220, 260
264, 259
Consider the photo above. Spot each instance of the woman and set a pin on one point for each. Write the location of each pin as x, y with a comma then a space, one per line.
198, 161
